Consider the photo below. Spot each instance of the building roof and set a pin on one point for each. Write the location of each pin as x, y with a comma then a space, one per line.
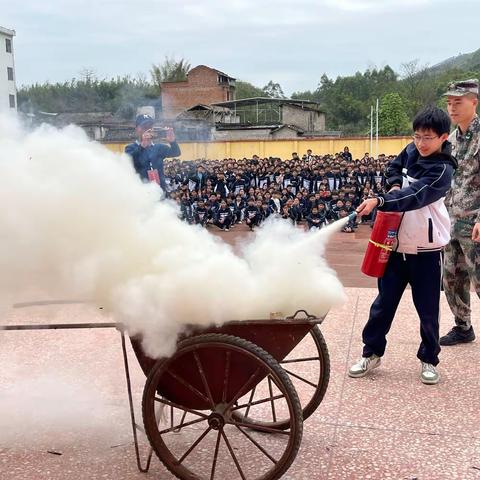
81, 118
207, 108
7, 31
236, 126
194, 68
119, 134
290, 127
215, 70
306, 104
212, 108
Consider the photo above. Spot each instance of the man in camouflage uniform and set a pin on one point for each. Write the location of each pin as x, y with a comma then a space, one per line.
462, 254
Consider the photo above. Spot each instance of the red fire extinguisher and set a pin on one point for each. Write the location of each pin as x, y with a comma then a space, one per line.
381, 242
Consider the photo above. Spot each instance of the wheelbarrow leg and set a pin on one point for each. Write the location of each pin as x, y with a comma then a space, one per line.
135, 427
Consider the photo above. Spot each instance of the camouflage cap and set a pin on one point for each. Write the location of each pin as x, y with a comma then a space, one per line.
464, 87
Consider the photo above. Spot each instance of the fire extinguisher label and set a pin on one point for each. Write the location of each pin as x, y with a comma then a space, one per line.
385, 252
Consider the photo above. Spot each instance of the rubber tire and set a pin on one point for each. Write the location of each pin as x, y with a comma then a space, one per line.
320, 391
149, 392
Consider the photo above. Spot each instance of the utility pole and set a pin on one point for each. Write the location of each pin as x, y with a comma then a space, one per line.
376, 149
371, 130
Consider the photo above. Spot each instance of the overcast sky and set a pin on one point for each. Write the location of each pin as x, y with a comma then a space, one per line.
292, 42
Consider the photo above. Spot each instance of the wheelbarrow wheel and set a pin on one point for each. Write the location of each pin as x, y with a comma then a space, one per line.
322, 359
204, 380
294, 365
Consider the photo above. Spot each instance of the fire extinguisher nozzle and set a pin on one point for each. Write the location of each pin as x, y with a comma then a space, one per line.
352, 216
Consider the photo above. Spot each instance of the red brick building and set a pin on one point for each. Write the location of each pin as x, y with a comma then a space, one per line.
204, 85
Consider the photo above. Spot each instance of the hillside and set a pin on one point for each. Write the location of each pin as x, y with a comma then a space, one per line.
466, 62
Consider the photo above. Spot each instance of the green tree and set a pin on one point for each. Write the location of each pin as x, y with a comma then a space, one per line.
305, 95
121, 96
417, 86
346, 100
247, 90
392, 116
170, 70
273, 90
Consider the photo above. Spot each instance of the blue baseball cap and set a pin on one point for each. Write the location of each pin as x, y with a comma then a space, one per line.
144, 120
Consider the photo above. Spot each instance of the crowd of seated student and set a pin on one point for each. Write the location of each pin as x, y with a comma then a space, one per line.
313, 190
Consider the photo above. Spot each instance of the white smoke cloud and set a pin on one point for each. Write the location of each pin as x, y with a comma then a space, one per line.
77, 221
52, 409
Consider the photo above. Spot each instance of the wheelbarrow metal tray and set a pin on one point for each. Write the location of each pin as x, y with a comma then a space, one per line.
226, 375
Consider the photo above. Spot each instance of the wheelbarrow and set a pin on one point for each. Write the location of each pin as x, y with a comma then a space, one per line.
225, 404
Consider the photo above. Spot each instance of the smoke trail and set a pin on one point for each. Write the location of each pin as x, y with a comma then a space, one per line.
78, 222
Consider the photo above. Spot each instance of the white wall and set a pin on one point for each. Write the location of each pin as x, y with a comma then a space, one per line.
7, 87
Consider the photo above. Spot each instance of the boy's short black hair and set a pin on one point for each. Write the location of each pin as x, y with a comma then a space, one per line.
432, 118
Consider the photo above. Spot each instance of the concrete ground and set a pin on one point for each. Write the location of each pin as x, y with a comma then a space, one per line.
64, 410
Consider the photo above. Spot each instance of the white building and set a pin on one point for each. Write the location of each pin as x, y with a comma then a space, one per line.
8, 89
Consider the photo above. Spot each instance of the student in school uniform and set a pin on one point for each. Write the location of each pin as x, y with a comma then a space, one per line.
419, 178
200, 213
223, 217
252, 214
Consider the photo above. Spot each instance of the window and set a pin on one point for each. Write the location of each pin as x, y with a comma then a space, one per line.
8, 45
223, 80
10, 73
12, 101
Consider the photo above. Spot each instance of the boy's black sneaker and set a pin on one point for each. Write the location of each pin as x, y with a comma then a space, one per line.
457, 335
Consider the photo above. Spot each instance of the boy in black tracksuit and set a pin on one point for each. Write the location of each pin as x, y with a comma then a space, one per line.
221, 186
322, 211
265, 211
231, 206
348, 207
252, 215
315, 219
296, 212
240, 184
186, 210
418, 179
275, 202
335, 209
285, 212
200, 216
212, 207
223, 217
239, 209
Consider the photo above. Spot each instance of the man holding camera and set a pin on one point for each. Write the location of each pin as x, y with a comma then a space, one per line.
147, 156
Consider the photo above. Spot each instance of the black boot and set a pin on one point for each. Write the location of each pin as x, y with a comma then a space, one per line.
457, 335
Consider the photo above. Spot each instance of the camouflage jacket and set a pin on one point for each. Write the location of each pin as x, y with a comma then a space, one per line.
463, 199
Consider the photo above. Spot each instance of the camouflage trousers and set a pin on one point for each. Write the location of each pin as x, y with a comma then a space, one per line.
461, 270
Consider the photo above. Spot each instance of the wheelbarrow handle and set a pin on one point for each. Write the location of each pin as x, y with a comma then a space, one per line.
292, 317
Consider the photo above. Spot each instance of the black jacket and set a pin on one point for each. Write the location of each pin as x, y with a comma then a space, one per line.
433, 177
223, 214
151, 157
